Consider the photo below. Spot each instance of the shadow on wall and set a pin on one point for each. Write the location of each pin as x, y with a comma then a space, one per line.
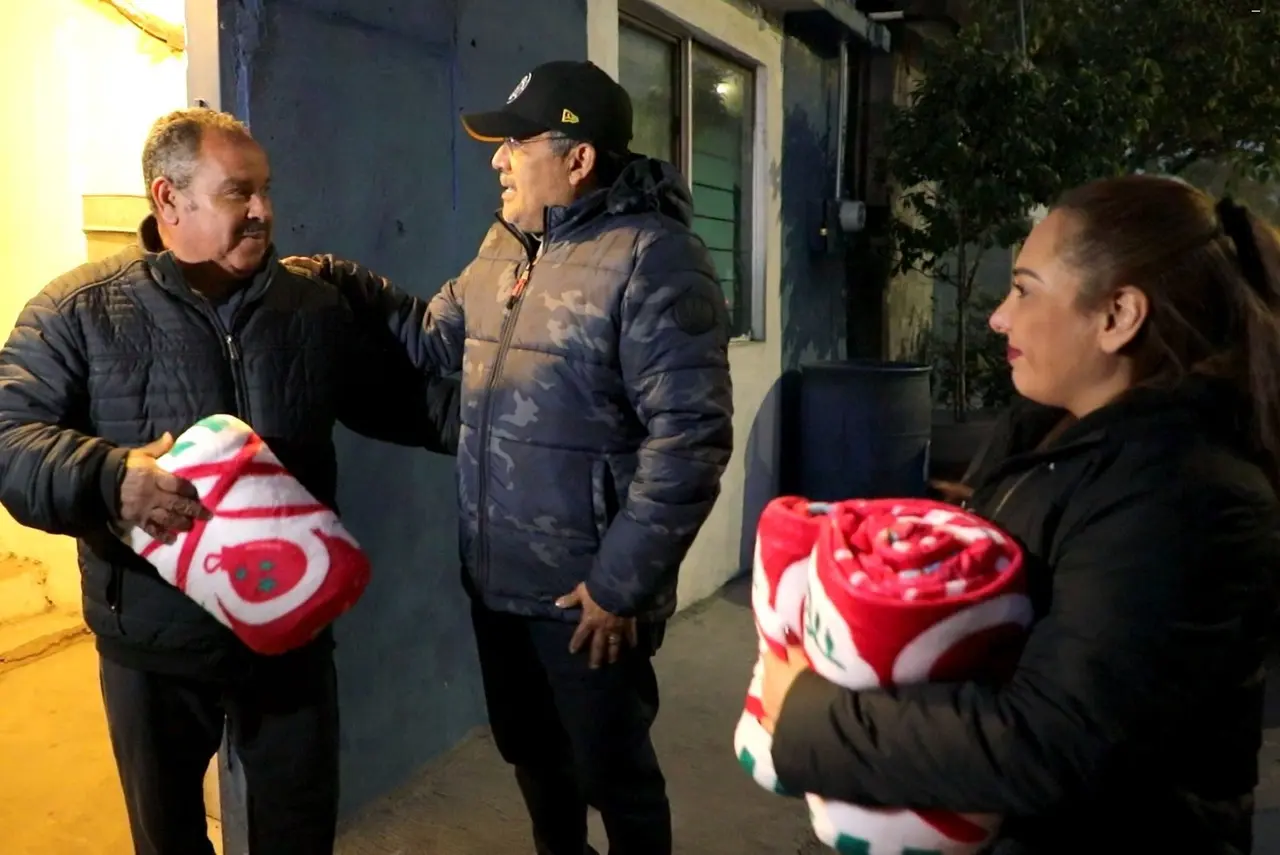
770, 458
370, 164
813, 312
406, 653
813, 280
406, 658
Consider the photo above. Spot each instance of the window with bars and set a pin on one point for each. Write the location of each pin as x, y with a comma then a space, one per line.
696, 108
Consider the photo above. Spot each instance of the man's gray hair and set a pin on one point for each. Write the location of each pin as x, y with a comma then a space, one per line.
561, 145
608, 164
173, 144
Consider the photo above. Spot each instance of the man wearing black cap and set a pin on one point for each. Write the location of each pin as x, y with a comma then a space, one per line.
592, 337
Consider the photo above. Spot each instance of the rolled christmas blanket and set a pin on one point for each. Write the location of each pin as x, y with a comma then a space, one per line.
899, 592
785, 538
273, 564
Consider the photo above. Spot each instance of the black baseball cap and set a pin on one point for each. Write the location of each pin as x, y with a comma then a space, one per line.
577, 99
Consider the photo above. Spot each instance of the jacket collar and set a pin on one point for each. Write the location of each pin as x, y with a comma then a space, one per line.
559, 220
1209, 406
643, 184
1197, 405
168, 274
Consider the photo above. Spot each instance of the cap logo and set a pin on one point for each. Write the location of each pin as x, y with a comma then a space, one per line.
520, 87
569, 117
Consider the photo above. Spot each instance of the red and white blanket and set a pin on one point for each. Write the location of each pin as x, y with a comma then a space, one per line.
878, 593
273, 564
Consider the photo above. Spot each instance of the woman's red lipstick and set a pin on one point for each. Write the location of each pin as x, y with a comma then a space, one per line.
1013, 353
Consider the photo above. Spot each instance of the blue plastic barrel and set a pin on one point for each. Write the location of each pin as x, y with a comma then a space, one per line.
864, 429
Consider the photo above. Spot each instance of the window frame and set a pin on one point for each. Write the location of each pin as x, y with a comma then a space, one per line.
655, 23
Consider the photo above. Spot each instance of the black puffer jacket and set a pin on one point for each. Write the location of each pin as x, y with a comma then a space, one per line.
1133, 721
115, 353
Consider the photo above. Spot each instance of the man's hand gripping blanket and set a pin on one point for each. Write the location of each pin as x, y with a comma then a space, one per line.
272, 564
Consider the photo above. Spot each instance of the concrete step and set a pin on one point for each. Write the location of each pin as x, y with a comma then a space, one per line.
22, 591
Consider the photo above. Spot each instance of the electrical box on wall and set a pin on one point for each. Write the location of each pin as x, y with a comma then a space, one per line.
831, 220
852, 215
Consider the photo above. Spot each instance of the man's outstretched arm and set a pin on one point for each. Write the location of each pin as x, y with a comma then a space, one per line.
431, 332
385, 396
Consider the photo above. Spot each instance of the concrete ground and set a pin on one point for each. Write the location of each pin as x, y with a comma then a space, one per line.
466, 803
59, 794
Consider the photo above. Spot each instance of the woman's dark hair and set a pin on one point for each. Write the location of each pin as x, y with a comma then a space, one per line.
1210, 272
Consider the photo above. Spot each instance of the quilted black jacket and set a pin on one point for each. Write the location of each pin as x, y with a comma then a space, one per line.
115, 353
1133, 721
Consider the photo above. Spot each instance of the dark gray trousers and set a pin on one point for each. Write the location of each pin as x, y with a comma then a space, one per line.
283, 729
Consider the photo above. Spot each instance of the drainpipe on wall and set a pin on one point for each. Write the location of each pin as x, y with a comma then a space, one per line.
834, 216
842, 120
843, 215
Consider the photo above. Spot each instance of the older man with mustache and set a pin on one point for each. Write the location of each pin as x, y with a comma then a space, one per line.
200, 317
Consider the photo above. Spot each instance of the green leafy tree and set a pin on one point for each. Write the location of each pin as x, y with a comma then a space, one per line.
1207, 73
989, 380
985, 138
1006, 117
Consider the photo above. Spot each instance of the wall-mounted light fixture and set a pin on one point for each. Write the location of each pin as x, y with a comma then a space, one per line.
149, 16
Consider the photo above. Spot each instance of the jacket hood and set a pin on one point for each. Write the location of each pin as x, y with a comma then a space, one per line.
644, 184
649, 184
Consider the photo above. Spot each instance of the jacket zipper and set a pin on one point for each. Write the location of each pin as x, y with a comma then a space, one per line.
1013, 488
237, 377
232, 353
114, 585
511, 312
1084, 442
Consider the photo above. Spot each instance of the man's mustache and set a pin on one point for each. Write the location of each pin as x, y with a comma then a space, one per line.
254, 229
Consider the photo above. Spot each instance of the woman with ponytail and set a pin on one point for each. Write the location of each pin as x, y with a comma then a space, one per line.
1140, 474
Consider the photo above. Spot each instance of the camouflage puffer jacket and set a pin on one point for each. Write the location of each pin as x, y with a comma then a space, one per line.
596, 400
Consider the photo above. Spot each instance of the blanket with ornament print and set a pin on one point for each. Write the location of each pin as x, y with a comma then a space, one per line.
883, 592
272, 564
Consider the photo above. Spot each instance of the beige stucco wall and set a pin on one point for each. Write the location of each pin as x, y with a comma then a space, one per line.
81, 86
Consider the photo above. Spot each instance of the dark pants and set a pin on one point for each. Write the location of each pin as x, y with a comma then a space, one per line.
283, 728
575, 736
